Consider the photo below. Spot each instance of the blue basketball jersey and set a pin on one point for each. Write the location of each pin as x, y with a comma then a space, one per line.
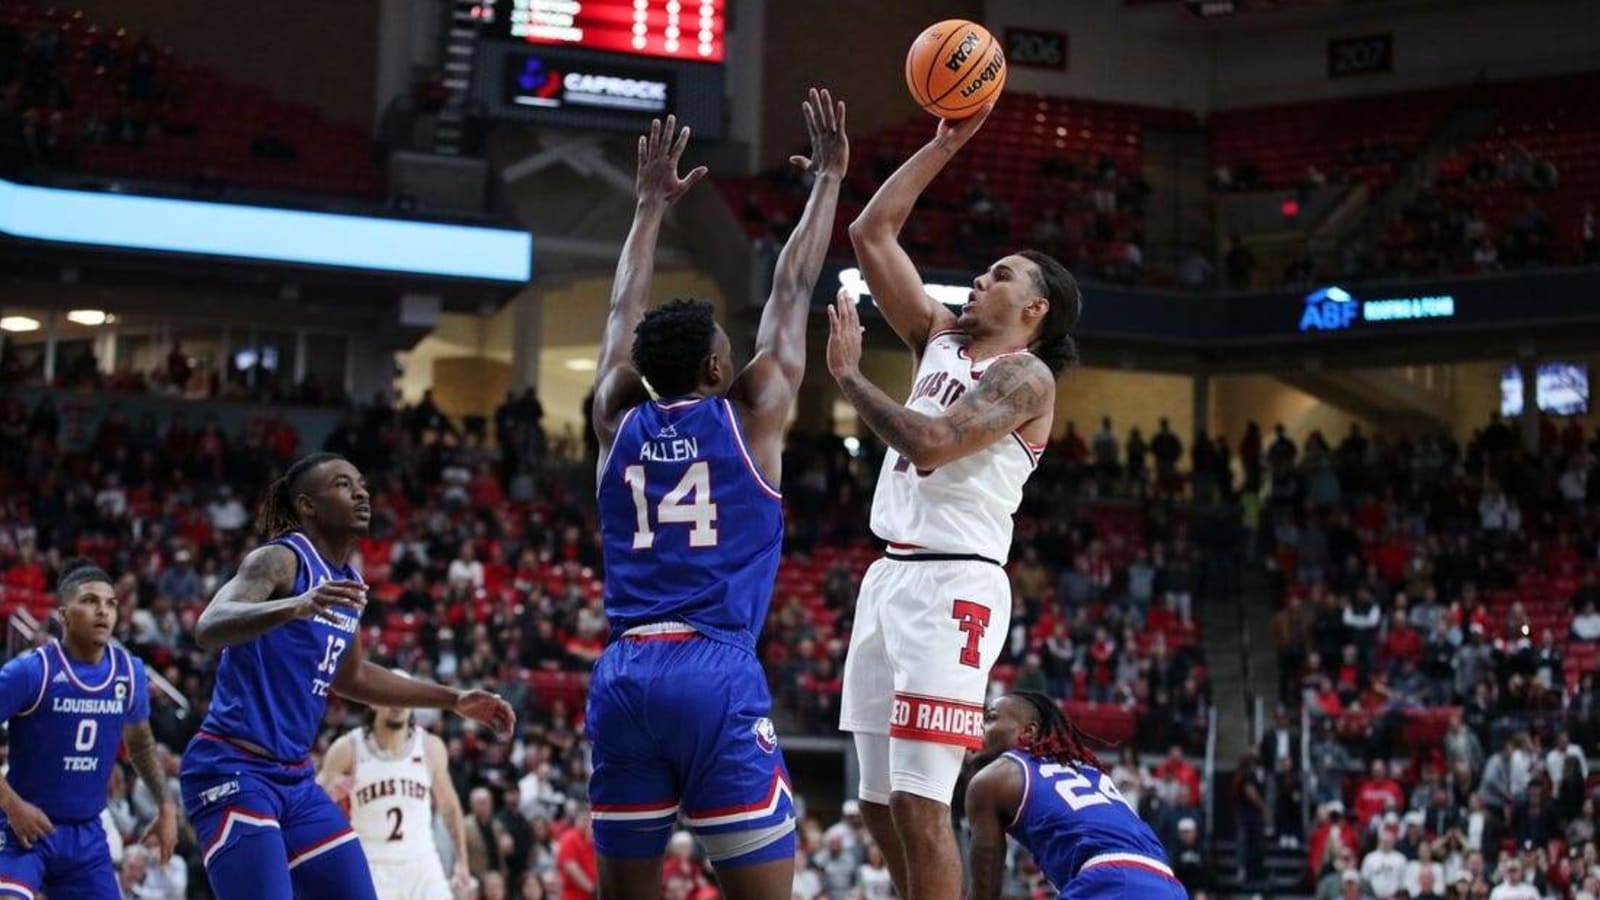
66, 726
1071, 814
272, 690
692, 531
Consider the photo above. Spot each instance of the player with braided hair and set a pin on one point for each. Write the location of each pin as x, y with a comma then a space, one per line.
1039, 780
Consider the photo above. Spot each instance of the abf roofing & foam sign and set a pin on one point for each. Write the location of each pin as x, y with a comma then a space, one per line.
1335, 309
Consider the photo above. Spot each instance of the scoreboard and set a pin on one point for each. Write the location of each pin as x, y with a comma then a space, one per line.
674, 29
602, 64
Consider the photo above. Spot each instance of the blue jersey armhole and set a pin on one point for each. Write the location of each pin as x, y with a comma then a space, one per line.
736, 427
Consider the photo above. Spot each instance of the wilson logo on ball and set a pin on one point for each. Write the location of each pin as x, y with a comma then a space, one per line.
990, 73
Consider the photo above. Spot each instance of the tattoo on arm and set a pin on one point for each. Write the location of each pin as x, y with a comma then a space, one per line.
236, 613
142, 752
1014, 390
988, 869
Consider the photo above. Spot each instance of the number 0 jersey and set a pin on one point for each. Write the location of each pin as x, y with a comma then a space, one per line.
1072, 817
692, 531
965, 506
272, 690
66, 726
391, 802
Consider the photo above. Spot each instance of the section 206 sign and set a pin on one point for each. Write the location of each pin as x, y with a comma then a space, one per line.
1335, 309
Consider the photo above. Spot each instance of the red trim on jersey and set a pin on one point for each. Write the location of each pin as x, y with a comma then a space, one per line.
662, 808
213, 736
896, 545
7, 884
1130, 864
676, 637
1033, 455
755, 470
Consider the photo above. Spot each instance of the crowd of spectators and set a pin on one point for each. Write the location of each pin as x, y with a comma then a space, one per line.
485, 563
43, 123
1438, 627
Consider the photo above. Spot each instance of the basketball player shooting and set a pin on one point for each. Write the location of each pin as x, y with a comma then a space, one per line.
934, 611
394, 776
691, 522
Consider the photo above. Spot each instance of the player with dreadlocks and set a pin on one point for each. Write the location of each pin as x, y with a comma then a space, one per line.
1039, 780
288, 627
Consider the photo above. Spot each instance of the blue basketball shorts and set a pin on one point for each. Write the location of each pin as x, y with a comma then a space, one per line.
267, 830
680, 725
71, 863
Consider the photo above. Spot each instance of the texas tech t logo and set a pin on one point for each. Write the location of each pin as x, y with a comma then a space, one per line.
973, 619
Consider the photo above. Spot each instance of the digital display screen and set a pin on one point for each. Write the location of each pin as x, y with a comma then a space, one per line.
1563, 389
690, 30
535, 80
124, 222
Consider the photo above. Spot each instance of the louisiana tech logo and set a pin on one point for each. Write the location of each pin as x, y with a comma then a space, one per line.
766, 734
1329, 309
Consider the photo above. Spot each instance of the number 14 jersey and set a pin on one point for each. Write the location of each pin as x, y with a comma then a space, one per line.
691, 529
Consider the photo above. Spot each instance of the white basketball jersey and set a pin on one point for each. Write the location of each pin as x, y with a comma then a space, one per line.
391, 805
962, 507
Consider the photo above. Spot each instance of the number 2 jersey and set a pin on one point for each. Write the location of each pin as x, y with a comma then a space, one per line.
964, 506
66, 719
391, 801
272, 690
1073, 817
691, 529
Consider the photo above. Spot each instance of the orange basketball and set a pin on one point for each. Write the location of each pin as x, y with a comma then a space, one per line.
954, 68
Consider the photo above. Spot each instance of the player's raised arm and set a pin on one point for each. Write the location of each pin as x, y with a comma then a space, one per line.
618, 386
374, 685
992, 798
768, 385
1014, 391
891, 276
252, 602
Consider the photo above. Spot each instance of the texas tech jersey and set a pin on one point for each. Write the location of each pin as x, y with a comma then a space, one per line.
962, 507
391, 803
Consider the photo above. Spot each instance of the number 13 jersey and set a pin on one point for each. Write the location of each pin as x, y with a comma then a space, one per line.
692, 531
964, 506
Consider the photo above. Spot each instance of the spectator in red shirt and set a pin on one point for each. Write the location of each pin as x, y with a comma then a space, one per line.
1402, 643
1378, 794
1178, 768
575, 860
682, 877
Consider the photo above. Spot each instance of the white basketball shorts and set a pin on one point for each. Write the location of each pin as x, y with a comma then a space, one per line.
418, 878
926, 633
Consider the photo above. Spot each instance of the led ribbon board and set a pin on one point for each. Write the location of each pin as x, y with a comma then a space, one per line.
123, 222
1335, 309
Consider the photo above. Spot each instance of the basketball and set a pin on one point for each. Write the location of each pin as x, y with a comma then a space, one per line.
954, 68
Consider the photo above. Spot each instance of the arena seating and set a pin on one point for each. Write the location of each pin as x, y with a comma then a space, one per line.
189, 123
1035, 153
1363, 139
